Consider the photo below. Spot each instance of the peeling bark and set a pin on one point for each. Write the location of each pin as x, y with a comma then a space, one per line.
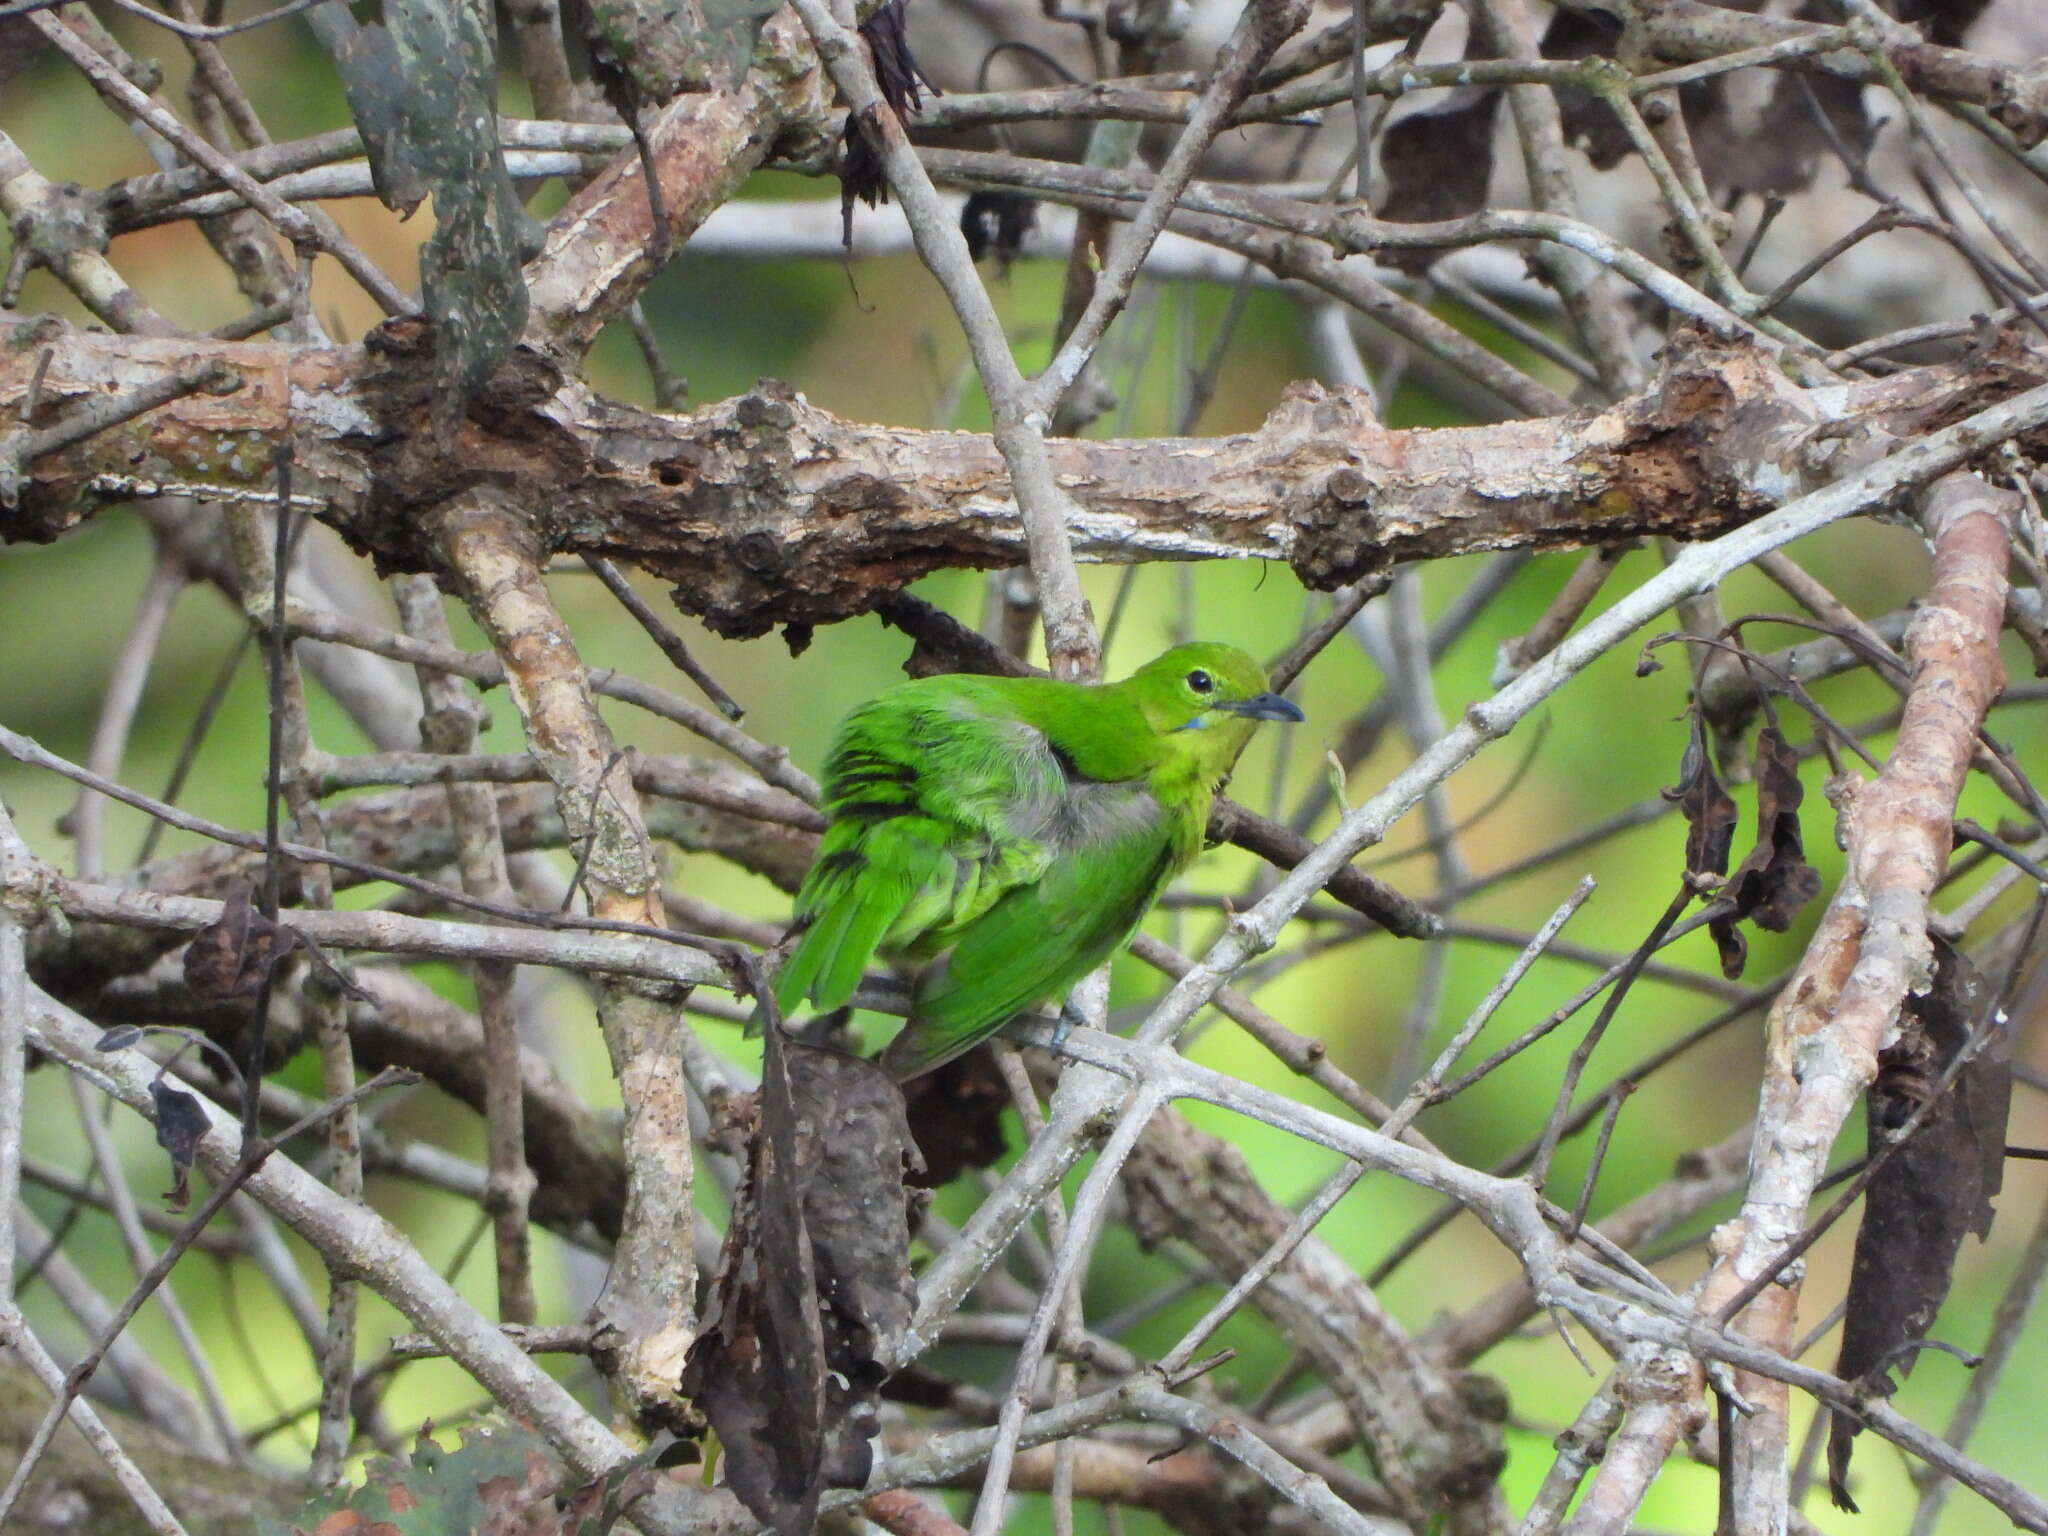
765, 510
1842, 1004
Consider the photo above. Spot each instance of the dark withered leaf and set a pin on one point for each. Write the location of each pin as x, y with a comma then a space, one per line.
896, 69
20, 42
119, 1038
1944, 21
180, 1123
230, 956
1779, 153
995, 223
956, 1116
1588, 121
897, 73
860, 172
421, 87
1733, 947
1709, 811
1774, 881
1437, 165
813, 1286
1931, 1191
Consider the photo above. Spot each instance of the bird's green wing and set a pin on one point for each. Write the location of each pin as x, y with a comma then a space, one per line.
928, 790
1036, 942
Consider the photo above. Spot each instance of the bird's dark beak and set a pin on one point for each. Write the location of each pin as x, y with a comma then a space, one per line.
1264, 706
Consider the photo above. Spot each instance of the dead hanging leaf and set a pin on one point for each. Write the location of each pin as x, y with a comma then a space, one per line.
1438, 165
860, 170
1778, 151
180, 1125
421, 87
896, 69
1709, 812
1588, 121
230, 956
1774, 880
813, 1287
995, 223
1929, 1192
956, 1116
20, 42
887, 34
1944, 21
1782, 151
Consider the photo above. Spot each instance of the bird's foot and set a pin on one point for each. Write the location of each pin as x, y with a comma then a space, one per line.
1069, 1020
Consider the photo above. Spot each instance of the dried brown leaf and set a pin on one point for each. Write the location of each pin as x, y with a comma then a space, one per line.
1774, 880
230, 956
1933, 1189
1438, 164
1588, 121
1709, 812
1779, 152
897, 74
956, 1116
180, 1126
813, 1286
1944, 21
995, 223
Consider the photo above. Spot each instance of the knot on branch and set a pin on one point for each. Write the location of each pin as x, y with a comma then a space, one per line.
1332, 514
66, 221
2021, 103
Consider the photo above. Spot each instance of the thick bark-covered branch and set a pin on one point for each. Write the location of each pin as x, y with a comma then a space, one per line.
1870, 951
763, 509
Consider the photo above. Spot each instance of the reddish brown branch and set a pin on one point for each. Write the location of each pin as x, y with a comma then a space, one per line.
649, 1300
1871, 949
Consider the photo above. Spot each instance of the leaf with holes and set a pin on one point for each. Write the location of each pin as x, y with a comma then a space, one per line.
503, 1480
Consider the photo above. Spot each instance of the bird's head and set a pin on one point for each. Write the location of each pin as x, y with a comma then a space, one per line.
1204, 700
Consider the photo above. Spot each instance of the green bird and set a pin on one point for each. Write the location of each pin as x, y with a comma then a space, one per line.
1006, 835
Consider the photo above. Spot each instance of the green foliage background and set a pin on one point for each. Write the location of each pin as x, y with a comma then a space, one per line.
877, 343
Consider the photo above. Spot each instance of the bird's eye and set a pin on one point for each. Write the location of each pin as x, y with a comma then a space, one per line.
1201, 681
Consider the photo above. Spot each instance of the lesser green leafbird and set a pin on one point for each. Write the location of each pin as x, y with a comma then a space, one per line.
1006, 835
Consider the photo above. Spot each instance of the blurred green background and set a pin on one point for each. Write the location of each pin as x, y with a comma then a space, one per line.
877, 343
